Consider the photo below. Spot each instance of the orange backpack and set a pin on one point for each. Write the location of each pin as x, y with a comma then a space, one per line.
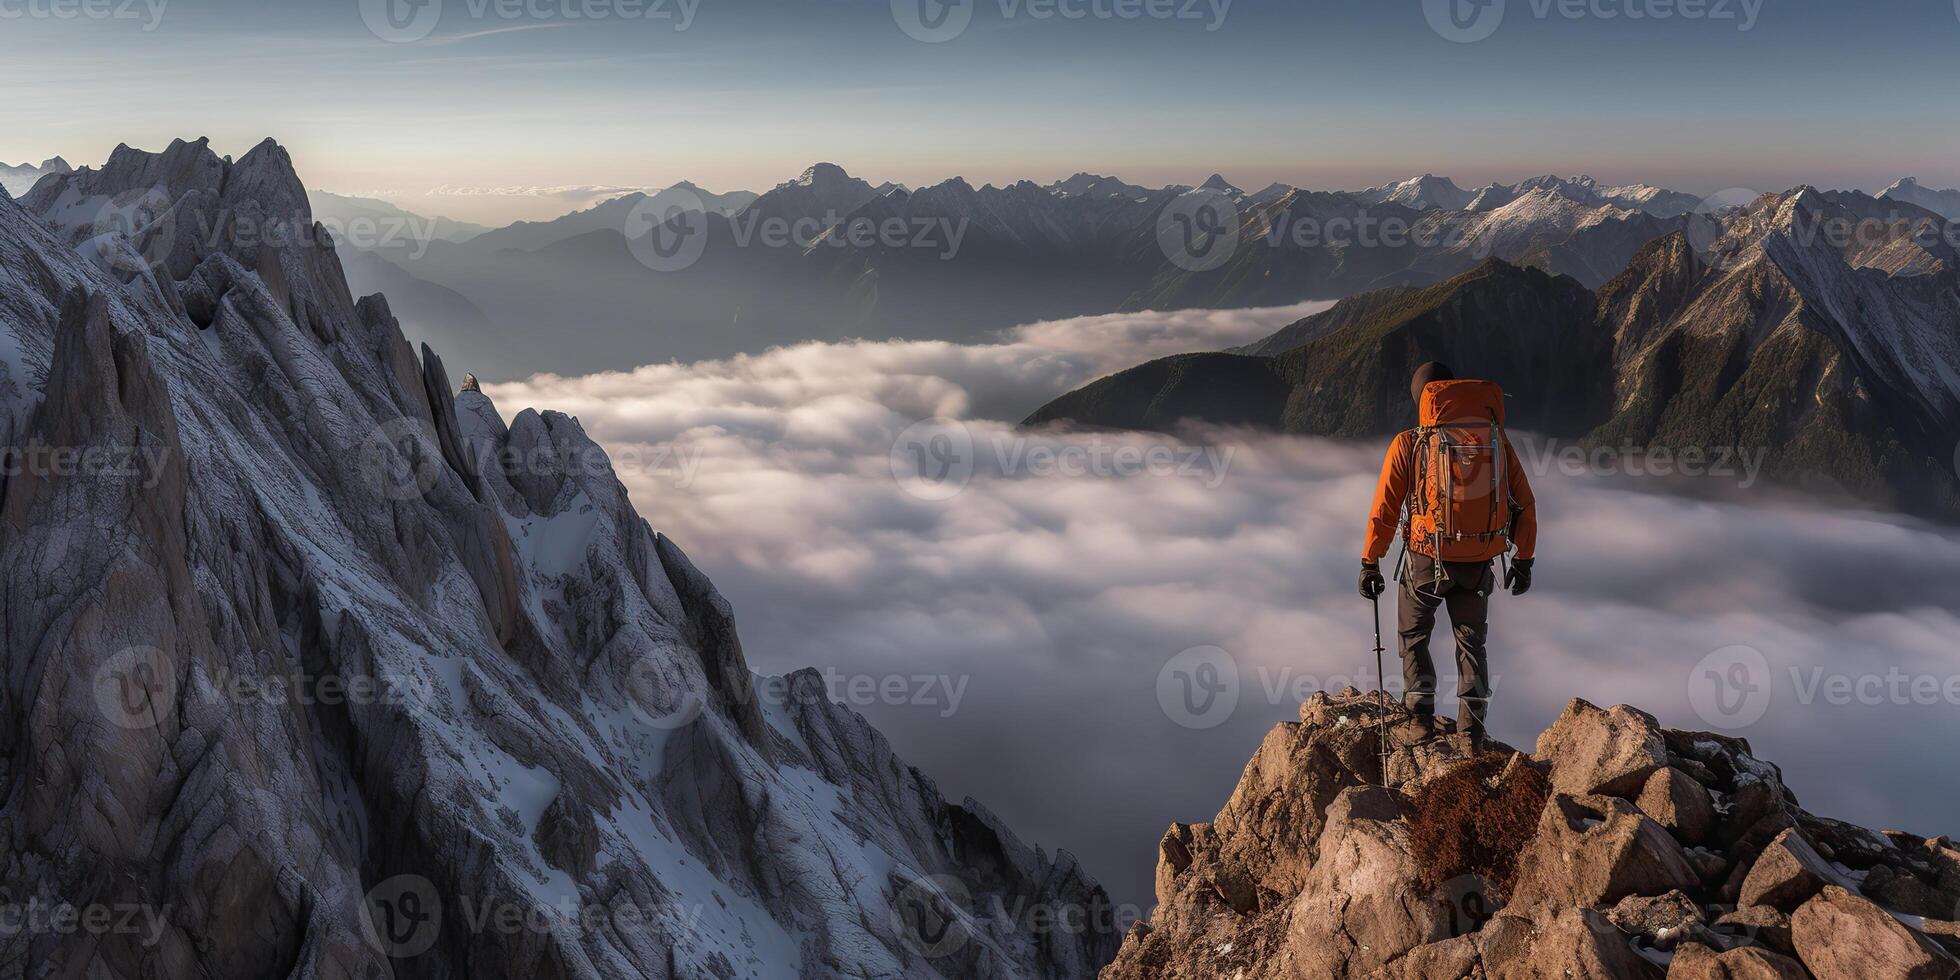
1459, 504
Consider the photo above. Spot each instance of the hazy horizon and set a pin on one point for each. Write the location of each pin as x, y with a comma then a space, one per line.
516, 97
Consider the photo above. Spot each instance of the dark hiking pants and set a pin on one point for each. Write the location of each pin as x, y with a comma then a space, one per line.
1465, 588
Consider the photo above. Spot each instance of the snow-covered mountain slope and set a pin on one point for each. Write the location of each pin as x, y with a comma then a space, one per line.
1308, 245
1430, 191
341, 674
1421, 193
17, 180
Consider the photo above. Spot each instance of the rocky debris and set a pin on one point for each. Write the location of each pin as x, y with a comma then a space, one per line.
315, 647
1662, 921
1759, 925
1552, 865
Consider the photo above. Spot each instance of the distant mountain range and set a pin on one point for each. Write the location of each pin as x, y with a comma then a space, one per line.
342, 212
18, 179
830, 255
1817, 327
1944, 202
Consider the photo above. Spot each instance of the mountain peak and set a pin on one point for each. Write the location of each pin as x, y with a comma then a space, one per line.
1217, 182
823, 175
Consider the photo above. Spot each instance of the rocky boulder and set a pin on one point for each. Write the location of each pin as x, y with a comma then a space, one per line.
1697, 962
1610, 752
1787, 874
1841, 936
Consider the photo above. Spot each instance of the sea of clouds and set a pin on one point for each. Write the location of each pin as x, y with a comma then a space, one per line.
1090, 632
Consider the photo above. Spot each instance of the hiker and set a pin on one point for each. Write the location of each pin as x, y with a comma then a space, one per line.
1462, 516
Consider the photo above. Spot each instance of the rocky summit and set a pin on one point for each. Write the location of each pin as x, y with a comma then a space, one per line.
1615, 848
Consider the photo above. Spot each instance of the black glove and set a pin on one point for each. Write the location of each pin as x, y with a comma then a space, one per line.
1372, 583
1518, 579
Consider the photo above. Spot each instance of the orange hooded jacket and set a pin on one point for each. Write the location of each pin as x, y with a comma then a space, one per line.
1393, 489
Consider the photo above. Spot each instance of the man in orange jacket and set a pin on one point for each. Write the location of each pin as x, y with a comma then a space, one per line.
1464, 584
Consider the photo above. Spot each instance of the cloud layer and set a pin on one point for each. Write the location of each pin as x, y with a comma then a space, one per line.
1056, 577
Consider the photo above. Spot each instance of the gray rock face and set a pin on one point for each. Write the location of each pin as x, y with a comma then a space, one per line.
315, 668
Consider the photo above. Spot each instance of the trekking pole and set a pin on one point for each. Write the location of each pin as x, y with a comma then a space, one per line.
1381, 692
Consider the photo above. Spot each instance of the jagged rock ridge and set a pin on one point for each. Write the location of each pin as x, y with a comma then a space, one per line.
1616, 849
332, 668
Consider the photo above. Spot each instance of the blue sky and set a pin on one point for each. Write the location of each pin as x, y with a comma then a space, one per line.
1330, 93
